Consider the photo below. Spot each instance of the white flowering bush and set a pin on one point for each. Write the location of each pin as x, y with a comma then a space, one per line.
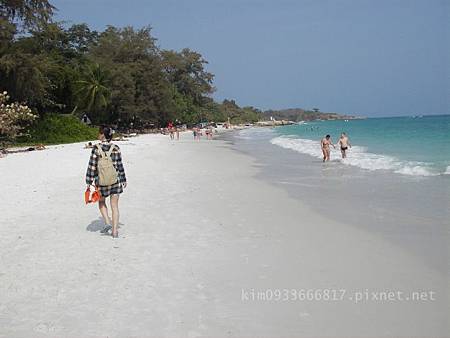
14, 117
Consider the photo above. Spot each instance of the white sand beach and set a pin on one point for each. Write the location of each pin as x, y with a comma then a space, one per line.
200, 238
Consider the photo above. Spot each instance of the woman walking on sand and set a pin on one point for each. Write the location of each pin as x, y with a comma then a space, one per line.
105, 166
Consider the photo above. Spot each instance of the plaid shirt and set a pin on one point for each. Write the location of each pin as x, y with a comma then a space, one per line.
116, 157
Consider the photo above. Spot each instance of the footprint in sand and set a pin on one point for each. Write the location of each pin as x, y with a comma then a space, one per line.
46, 327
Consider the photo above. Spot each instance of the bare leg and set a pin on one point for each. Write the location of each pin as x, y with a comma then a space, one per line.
324, 155
104, 210
114, 200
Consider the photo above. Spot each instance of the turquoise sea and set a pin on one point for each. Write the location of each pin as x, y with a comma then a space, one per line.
417, 145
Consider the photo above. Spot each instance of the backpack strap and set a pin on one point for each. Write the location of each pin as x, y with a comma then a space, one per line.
105, 154
111, 149
100, 150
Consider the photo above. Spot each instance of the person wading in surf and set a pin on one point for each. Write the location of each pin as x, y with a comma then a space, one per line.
325, 145
344, 144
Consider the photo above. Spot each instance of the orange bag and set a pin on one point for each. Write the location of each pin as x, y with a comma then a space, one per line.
91, 196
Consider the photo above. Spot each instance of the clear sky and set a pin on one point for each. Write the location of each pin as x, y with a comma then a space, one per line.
366, 57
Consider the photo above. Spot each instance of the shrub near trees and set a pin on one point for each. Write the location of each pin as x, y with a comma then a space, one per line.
14, 117
115, 76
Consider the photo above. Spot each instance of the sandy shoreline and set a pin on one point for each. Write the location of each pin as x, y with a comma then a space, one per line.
409, 211
199, 233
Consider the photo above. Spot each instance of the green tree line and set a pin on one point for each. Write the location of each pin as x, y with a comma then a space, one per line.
115, 76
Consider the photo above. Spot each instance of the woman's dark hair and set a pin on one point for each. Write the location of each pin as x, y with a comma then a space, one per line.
328, 136
107, 132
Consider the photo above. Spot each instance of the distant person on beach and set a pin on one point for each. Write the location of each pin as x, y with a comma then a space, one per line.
197, 133
344, 144
210, 134
171, 130
177, 132
194, 132
325, 145
102, 155
85, 119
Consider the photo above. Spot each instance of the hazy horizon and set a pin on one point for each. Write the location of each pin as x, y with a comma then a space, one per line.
361, 58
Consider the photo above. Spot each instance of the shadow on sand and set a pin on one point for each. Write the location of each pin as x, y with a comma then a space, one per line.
98, 225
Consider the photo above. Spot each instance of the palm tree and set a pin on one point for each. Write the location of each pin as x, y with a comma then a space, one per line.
93, 92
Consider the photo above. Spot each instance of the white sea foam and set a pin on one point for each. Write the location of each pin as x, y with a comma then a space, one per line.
447, 171
415, 170
358, 157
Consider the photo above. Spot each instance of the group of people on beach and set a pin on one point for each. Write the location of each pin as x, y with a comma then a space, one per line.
106, 161
197, 133
343, 144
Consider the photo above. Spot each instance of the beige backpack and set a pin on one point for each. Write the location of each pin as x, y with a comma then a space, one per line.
107, 174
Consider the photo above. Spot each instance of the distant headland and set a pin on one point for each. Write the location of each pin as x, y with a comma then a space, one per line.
299, 114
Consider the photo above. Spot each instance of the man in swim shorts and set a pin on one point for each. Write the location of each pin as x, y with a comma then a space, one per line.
344, 144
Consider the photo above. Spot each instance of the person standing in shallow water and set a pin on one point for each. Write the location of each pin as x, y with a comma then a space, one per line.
325, 145
344, 144
105, 148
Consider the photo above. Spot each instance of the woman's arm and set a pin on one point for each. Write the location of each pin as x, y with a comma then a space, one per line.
120, 168
91, 172
331, 142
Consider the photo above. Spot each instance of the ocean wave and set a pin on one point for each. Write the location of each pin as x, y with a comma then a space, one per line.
447, 171
358, 157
